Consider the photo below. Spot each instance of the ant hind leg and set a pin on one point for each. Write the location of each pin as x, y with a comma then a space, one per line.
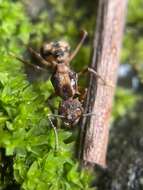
56, 134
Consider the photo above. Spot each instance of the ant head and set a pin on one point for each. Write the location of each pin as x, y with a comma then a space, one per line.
56, 51
71, 110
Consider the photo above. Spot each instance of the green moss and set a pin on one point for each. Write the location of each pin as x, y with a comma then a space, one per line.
25, 131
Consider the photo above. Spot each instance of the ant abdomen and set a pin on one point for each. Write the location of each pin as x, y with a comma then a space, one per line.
71, 110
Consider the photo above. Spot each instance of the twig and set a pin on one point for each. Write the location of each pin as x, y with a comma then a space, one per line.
107, 43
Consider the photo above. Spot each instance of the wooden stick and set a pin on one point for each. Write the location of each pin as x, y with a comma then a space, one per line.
107, 42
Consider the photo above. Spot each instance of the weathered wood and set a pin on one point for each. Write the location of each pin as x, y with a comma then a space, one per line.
107, 44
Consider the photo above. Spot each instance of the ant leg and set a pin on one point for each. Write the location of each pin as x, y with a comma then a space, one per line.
96, 74
56, 134
84, 34
38, 56
27, 62
85, 70
56, 115
49, 103
82, 95
40, 59
88, 114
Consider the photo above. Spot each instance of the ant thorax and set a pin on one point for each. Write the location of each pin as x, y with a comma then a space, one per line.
64, 81
58, 52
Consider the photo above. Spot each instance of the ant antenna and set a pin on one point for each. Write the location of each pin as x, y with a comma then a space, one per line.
56, 134
84, 35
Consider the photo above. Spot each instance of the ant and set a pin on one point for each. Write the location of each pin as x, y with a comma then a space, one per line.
56, 57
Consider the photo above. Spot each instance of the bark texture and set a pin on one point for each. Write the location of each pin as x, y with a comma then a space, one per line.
107, 44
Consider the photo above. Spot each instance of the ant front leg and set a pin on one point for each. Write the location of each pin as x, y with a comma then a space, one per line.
41, 60
84, 34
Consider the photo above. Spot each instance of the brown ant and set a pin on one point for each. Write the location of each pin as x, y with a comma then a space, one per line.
56, 56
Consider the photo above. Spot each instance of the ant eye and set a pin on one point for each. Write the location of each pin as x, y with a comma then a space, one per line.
58, 53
